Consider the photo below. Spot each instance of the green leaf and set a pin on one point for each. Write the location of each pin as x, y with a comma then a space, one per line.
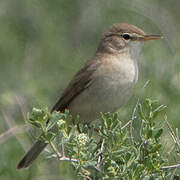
158, 134
91, 163
35, 123
149, 133
158, 110
40, 115
156, 148
147, 178
141, 113
50, 136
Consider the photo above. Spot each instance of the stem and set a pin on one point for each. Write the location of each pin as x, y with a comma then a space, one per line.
171, 166
173, 135
100, 156
127, 124
55, 149
60, 157
132, 119
62, 146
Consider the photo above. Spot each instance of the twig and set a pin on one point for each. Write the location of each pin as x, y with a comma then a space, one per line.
62, 156
68, 159
172, 148
132, 119
62, 146
14, 130
127, 124
11, 123
100, 156
177, 137
87, 177
173, 174
145, 85
21, 103
59, 155
134, 111
55, 150
171, 166
173, 135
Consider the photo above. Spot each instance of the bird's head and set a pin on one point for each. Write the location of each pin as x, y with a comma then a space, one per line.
122, 37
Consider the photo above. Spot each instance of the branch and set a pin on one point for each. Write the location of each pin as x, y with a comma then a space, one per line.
14, 130
11, 123
132, 119
100, 156
55, 150
171, 166
127, 124
173, 135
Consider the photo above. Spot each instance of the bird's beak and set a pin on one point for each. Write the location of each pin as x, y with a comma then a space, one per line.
151, 37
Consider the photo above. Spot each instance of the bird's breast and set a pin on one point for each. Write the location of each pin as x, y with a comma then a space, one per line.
111, 87
117, 73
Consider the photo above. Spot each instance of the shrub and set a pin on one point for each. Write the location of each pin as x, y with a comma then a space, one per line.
110, 149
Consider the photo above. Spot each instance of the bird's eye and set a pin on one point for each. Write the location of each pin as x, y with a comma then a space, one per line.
126, 36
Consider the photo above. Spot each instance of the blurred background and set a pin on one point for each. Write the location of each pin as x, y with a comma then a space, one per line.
42, 45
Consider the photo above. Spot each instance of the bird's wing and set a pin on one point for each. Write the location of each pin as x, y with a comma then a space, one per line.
81, 81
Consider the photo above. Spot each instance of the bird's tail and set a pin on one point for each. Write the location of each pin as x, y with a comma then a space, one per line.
32, 154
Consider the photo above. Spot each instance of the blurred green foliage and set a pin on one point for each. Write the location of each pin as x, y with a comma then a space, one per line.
43, 43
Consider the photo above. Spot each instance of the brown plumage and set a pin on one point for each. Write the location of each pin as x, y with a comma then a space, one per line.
79, 83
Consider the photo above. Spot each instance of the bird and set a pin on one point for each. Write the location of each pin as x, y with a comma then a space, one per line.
104, 83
